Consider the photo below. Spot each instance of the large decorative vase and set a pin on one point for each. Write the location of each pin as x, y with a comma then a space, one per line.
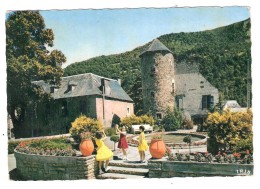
86, 147
157, 148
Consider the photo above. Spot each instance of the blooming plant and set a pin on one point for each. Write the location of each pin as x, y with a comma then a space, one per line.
230, 159
218, 157
225, 157
179, 156
54, 147
198, 157
85, 135
84, 124
249, 158
157, 136
168, 152
237, 156
208, 157
187, 157
232, 129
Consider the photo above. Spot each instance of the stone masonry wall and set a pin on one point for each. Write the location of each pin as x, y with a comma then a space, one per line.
168, 169
193, 86
157, 77
37, 167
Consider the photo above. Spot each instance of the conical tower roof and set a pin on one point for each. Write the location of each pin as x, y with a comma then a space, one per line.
156, 45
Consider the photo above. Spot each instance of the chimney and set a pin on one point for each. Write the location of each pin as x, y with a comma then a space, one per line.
119, 81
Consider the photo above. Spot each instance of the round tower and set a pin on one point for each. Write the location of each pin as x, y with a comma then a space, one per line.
157, 71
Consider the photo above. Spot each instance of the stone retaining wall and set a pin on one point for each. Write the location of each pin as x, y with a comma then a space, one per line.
38, 167
167, 169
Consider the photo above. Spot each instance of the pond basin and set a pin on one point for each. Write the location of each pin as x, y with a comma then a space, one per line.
176, 138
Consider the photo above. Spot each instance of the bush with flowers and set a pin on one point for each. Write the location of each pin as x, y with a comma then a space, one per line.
168, 152
218, 157
136, 120
208, 157
157, 136
229, 129
85, 136
84, 124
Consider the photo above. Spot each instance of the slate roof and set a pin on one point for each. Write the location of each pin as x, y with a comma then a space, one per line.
84, 85
156, 45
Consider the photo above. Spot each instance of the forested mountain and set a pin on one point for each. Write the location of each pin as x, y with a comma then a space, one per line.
222, 55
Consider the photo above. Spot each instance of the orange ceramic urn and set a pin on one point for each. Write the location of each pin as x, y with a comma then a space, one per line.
157, 149
86, 147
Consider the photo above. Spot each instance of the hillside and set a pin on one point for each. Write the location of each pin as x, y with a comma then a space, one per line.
222, 55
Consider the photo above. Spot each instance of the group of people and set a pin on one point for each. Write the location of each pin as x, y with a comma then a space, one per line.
104, 154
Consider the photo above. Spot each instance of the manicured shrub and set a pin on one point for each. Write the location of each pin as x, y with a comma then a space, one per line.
115, 139
110, 131
172, 120
188, 124
84, 124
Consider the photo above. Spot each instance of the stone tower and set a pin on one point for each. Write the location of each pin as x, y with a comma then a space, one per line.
157, 70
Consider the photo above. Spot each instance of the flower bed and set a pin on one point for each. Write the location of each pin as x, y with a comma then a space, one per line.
55, 146
235, 158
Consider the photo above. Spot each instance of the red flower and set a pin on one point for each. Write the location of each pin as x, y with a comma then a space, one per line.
237, 154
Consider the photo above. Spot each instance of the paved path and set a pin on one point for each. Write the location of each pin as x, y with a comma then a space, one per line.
11, 162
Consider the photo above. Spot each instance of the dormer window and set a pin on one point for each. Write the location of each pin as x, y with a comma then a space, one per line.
71, 86
53, 89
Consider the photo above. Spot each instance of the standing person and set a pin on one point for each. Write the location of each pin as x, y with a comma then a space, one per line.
103, 152
142, 144
122, 143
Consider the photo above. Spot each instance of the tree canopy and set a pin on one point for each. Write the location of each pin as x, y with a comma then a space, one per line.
28, 60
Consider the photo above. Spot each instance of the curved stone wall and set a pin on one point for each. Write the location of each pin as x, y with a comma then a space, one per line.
38, 167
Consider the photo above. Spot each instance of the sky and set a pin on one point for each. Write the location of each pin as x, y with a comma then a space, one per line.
85, 33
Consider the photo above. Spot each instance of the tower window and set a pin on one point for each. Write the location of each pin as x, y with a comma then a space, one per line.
153, 70
152, 94
159, 115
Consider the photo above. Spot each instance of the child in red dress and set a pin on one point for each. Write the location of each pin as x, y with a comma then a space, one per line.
122, 144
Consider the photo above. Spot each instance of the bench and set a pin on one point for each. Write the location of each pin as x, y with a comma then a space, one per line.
147, 128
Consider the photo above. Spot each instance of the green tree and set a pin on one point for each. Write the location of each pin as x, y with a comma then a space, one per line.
28, 60
172, 120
